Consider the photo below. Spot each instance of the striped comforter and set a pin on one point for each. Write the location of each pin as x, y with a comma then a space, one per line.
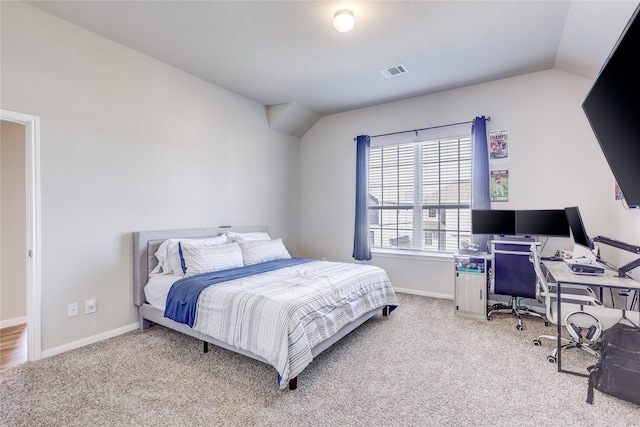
281, 315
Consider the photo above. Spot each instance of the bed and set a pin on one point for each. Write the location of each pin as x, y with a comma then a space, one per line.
280, 310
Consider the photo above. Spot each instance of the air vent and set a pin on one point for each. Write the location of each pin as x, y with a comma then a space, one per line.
394, 71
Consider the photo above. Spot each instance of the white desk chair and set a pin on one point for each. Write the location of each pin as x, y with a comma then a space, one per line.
584, 328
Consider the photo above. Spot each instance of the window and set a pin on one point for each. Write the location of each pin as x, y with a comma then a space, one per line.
420, 195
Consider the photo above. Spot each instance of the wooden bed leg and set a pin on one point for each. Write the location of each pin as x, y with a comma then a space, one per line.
293, 383
205, 348
385, 310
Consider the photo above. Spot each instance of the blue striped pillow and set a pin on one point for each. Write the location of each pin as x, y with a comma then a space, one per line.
259, 251
200, 258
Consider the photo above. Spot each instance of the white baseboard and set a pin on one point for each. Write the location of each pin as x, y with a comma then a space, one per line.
133, 326
90, 340
423, 293
7, 323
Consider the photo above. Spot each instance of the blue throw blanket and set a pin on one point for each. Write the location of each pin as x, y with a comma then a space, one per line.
183, 295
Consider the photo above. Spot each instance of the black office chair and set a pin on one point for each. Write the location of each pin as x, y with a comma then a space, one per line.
513, 276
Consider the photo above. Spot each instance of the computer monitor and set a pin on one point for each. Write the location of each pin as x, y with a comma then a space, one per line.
584, 246
542, 222
487, 221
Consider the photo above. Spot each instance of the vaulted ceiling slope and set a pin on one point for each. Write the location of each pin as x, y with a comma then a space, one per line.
287, 53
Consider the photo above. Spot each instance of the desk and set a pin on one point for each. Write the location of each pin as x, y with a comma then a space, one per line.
562, 275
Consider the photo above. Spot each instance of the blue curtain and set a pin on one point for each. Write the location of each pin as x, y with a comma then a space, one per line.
361, 250
480, 186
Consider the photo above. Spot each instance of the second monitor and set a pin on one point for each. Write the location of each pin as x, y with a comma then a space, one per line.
546, 222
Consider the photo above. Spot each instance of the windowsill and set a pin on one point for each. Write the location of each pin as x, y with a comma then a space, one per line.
394, 253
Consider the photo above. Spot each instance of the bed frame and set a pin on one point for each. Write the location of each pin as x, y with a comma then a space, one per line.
145, 245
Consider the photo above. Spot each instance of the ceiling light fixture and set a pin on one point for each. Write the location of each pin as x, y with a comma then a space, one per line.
344, 21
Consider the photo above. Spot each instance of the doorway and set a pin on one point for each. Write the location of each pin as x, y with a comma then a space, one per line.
13, 252
33, 233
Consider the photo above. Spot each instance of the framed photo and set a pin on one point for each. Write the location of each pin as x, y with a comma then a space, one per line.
499, 146
500, 185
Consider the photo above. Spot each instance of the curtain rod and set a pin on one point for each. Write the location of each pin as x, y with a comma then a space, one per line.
418, 130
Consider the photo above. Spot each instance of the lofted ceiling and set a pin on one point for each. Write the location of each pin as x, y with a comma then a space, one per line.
286, 54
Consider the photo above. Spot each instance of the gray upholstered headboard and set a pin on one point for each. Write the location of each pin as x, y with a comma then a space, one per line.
145, 244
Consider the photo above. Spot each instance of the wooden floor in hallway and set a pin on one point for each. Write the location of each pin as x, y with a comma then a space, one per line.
13, 346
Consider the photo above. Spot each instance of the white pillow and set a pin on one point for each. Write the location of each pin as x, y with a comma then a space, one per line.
259, 251
168, 254
200, 258
247, 237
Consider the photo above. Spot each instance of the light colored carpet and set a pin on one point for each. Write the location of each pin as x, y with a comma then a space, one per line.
421, 366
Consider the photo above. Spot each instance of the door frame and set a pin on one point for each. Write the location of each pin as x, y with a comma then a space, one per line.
32, 173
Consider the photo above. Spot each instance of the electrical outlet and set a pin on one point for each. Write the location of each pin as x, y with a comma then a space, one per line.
90, 306
72, 309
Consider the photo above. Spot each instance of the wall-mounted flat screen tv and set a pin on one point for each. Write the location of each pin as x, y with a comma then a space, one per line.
612, 107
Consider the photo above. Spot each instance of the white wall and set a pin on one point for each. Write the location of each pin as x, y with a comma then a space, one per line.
129, 143
13, 215
555, 161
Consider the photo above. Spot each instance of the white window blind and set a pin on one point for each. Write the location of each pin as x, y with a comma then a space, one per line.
420, 195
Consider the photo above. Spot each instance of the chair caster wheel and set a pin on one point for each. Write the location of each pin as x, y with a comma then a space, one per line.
519, 327
551, 359
537, 342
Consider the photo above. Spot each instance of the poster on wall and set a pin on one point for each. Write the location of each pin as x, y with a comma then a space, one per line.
499, 146
500, 186
618, 192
